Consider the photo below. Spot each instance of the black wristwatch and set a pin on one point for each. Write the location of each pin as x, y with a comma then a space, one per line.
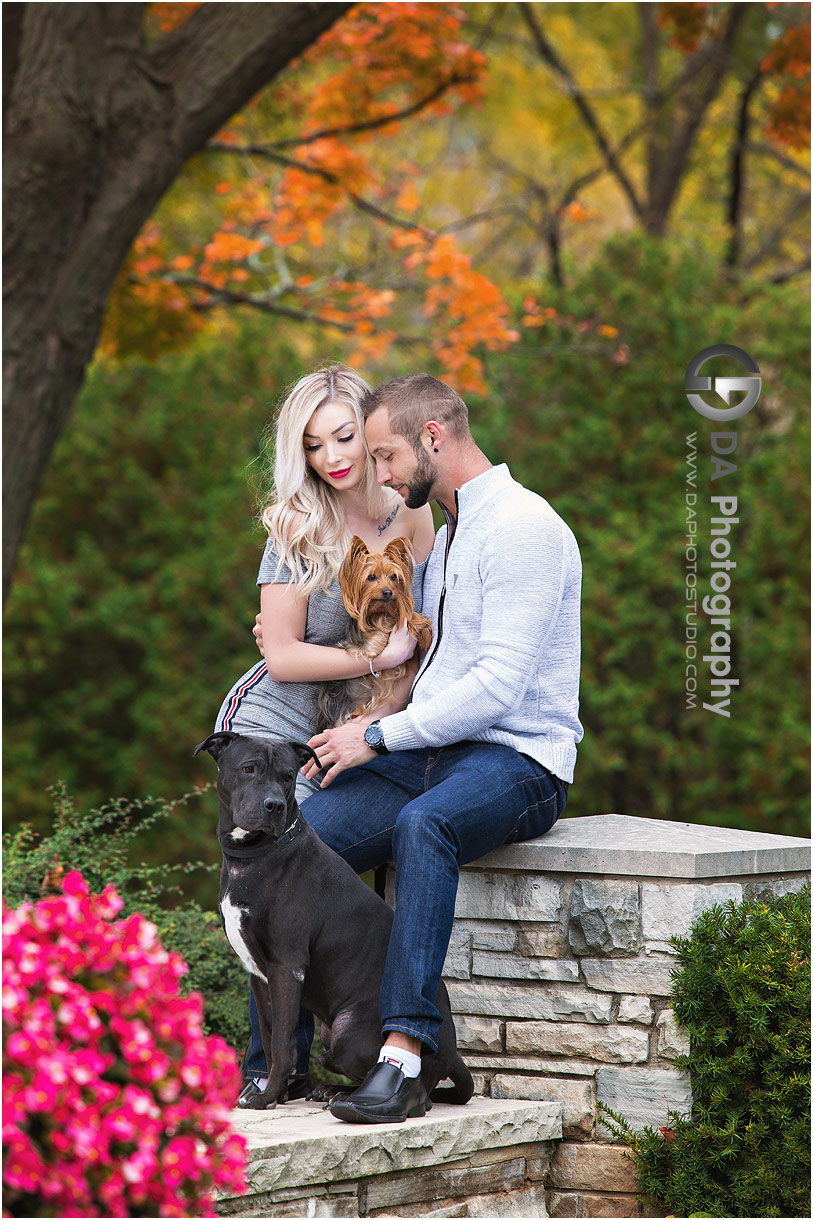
374, 737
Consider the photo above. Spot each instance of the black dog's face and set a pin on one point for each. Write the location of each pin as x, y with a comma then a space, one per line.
256, 781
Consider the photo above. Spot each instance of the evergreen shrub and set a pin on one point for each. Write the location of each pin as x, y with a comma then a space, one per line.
742, 994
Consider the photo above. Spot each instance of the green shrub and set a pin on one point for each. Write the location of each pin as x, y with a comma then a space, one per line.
100, 843
742, 994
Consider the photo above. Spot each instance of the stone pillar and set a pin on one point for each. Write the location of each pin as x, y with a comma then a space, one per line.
559, 973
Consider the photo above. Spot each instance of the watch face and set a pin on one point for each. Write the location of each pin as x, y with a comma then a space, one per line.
373, 735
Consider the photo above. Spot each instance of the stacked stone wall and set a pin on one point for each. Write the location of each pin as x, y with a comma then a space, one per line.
559, 973
560, 981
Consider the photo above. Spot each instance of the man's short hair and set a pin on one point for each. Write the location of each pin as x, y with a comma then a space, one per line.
412, 401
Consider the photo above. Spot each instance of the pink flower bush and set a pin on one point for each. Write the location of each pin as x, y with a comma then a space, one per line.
115, 1102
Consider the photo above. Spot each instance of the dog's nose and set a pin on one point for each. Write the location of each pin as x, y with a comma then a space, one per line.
386, 595
272, 805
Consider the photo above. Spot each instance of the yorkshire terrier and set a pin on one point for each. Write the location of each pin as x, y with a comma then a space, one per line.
377, 594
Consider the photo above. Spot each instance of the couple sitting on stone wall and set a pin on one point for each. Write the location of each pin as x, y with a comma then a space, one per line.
480, 751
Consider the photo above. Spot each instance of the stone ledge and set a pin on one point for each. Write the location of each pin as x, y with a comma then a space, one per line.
618, 844
301, 1144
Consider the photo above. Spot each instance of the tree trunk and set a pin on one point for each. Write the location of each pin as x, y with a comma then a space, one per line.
669, 151
98, 124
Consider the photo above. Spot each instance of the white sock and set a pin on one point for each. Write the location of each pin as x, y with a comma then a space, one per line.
261, 1081
409, 1064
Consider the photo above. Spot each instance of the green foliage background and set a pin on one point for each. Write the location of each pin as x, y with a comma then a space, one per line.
131, 614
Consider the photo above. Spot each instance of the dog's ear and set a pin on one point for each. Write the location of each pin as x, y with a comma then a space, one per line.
400, 551
350, 575
216, 743
357, 551
304, 753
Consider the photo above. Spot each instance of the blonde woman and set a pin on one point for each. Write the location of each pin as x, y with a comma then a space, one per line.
325, 491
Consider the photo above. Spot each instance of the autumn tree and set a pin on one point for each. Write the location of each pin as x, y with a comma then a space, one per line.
342, 219
322, 210
98, 120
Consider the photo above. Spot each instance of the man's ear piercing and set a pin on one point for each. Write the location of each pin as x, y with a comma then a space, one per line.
435, 449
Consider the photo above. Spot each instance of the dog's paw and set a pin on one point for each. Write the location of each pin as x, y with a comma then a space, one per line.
260, 1102
327, 1092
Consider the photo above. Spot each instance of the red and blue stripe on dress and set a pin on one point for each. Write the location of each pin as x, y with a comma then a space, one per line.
252, 678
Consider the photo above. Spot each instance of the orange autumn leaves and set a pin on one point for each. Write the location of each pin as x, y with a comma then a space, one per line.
380, 66
327, 224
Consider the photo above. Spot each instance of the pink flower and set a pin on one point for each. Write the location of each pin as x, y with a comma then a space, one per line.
115, 1102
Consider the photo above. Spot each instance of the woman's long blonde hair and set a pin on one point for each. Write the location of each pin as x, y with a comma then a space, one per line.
305, 518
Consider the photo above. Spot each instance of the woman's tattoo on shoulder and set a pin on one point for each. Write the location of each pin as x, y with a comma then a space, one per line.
390, 519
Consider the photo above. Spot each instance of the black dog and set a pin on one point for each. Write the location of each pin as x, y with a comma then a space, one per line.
303, 924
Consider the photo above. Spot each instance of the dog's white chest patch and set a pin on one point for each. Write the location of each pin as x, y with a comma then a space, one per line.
233, 923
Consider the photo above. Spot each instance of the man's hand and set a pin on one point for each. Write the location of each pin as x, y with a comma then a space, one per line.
400, 647
257, 631
339, 749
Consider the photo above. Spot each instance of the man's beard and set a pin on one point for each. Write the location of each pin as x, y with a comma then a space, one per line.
419, 488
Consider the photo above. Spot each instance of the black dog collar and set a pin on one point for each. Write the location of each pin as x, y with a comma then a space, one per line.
266, 845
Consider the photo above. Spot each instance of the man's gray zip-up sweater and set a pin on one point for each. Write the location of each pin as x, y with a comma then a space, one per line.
503, 597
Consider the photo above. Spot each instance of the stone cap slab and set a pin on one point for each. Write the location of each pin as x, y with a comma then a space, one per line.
301, 1143
647, 847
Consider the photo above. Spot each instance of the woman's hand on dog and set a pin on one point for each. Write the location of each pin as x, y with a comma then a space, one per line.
398, 649
339, 749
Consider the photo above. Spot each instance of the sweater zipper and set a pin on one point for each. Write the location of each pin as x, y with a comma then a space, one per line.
449, 536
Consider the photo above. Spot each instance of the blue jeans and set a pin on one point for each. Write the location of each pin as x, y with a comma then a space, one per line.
431, 811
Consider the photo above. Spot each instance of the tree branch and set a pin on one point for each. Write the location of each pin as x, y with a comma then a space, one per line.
779, 231
782, 277
383, 120
738, 149
266, 304
549, 56
768, 150
224, 53
672, 163
266, 152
